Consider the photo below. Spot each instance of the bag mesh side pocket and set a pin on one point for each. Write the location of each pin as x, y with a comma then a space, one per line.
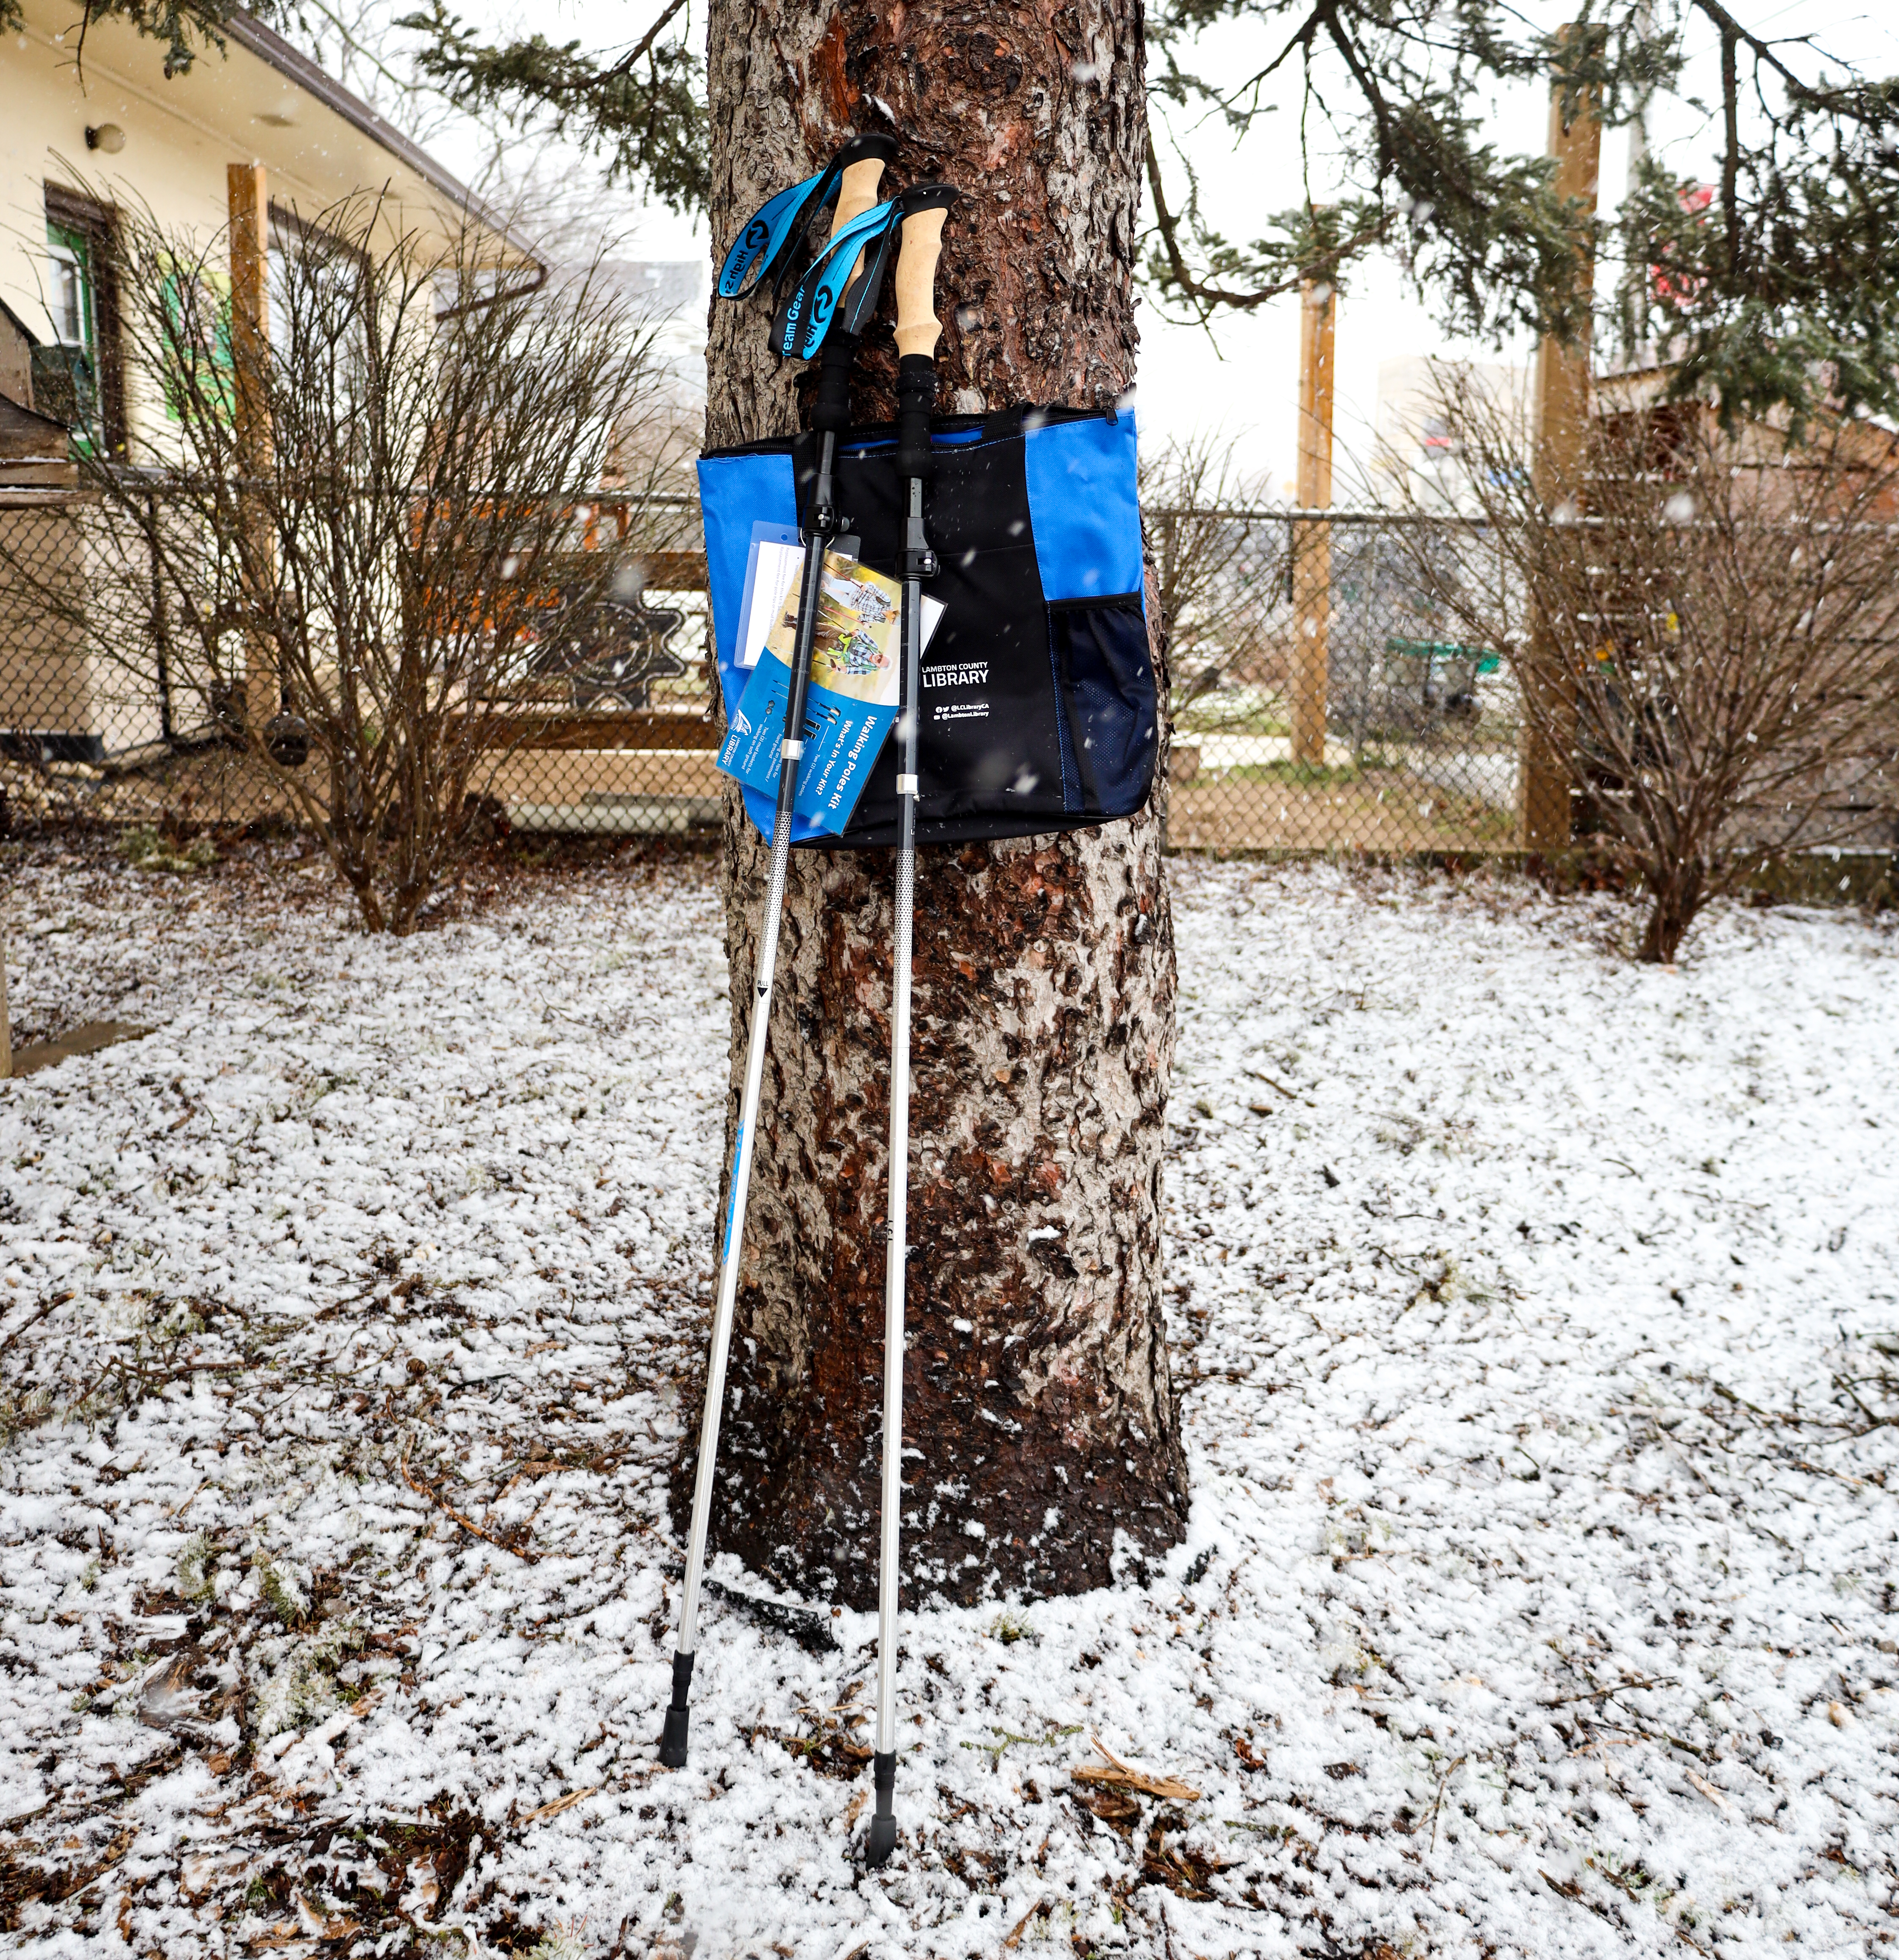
1099, 650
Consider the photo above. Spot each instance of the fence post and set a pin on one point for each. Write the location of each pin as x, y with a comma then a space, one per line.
1312, 540
1559, 434
248, 192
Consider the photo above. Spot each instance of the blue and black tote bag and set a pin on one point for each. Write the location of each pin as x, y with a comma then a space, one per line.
1039, 707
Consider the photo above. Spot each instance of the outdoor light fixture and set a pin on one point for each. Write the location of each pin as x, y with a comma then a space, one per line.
106, 136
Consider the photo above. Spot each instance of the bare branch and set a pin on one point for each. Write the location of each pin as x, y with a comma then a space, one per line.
1707, 635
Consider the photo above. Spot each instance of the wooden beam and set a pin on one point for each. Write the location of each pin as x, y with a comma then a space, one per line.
676, 572
1312, 539
1560, 436
248, 194
575, 728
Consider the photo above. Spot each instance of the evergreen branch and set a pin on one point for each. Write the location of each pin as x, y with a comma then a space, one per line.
650, 127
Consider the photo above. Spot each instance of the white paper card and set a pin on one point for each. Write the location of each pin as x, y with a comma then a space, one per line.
777, 560
776, 566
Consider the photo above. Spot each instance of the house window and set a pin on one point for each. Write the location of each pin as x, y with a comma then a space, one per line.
321, 300
76, 375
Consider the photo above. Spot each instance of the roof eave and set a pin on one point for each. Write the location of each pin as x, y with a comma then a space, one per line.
272, 48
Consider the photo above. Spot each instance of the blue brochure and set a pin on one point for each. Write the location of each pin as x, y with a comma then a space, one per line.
849, 705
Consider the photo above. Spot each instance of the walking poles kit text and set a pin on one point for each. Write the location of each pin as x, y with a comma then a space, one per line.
1034, 711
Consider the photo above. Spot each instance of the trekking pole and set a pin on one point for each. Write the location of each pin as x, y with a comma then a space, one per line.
857, 195
922, 209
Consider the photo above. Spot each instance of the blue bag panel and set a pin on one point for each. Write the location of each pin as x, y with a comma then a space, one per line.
1084, 506
735, 492
1100, 650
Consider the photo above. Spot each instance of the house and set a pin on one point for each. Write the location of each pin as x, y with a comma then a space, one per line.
1417, 455
255, 140
1676, 432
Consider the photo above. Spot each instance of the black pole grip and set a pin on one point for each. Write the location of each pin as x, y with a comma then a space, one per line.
672, 1742
883, 1833
916, 402
831, 405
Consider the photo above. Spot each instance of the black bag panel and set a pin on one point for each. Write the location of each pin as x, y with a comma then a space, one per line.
1020, 699
988, 728
1111, 709
989, 739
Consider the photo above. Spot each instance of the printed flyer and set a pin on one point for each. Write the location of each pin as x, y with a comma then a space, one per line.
850, 704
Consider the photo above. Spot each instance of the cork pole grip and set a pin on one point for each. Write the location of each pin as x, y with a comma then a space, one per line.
856, 191
917, 326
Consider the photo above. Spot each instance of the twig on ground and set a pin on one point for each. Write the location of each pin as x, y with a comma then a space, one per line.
1603, 1693
38, 1315
1014, 1939
1437, 1800
561, 1803
1291, 1095
994, 1750
467, 1523
1120, 1775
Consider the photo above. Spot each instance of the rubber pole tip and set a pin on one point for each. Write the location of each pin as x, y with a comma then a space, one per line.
883, 1840
883, 1837
672, 1742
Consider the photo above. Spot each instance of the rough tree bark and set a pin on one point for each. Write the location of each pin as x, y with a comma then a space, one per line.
1040, 1419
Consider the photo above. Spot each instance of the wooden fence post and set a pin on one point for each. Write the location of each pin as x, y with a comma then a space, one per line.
249, 196
1312, 540
1560, 433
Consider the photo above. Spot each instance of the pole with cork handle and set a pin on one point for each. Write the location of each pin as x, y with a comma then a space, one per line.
863, 162
923, 208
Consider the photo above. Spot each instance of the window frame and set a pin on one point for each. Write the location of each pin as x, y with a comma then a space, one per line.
86, 233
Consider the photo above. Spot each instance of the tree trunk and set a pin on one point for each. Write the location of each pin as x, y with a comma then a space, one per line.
1676, 894
1040, 1418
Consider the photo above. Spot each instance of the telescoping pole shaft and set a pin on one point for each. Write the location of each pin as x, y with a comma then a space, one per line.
923, 208
791, 752
857, 196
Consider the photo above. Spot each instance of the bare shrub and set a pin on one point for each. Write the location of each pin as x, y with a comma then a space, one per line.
1704, 629
376, 548
1219, 575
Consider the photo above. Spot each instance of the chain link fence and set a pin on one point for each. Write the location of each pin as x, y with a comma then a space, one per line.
109, 712
1319, 701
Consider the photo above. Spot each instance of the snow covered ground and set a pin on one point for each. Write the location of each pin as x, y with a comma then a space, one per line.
1540, 1320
